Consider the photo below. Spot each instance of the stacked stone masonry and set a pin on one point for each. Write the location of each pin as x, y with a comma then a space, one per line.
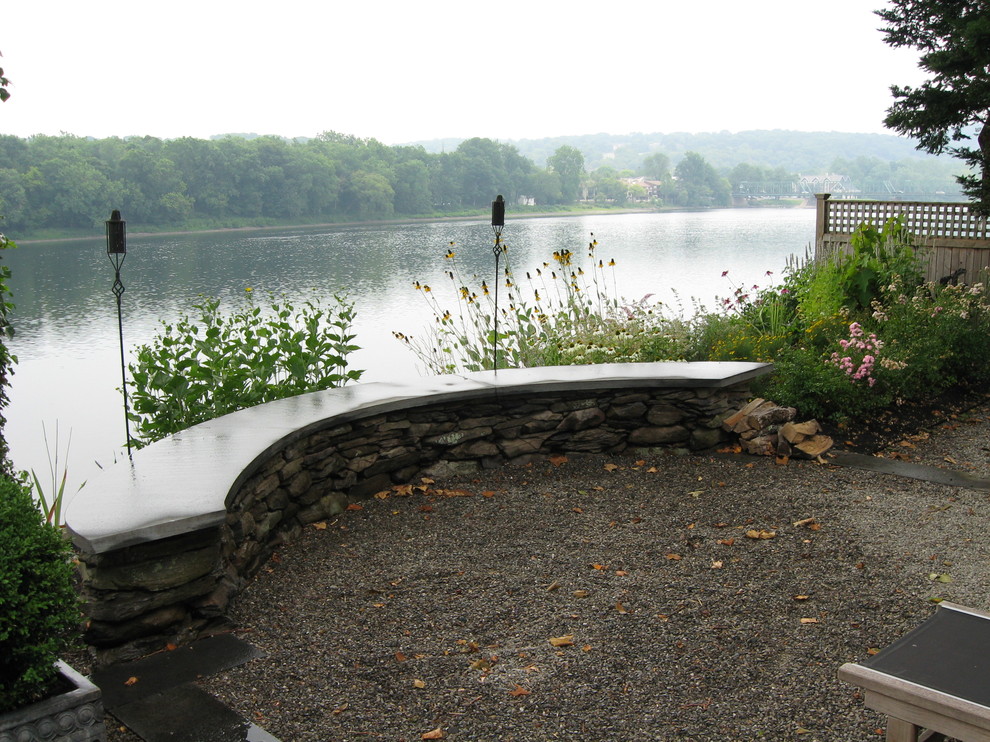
168, 591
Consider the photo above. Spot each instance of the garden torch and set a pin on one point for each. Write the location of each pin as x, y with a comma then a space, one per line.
116, 252
498, 221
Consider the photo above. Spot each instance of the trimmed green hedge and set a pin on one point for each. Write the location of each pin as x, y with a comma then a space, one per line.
39, 610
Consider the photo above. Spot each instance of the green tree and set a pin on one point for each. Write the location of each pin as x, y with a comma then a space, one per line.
609, 189
369, 196
568, 163
544, 187
698, 183
412, 188
656, 166
4, 82
953, 37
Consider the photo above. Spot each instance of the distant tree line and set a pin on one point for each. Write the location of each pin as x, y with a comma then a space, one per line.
72, 183
68, 181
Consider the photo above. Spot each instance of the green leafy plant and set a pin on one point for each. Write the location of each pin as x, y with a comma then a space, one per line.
938, 335
7, 360
39, 611
201, 367
51, 499
877, 256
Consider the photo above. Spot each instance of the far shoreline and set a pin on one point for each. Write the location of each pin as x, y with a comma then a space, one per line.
600, 211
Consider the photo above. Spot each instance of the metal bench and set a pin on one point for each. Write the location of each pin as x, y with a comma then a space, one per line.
933, 681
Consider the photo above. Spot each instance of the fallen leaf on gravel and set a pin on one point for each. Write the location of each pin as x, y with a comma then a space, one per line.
611, 467
939, 577
716, 564
131, 680
577, 510
621, 608
872, 651
586, 648
481, 664
454, 493
519, 691
809, 620
674, 557
599, 567
804, 522
726, 541
383, 495
488, 493
950, 459
553, 585
580, 593
339, 710
652, 470
355, 506
558, 460
419, 684
399, 657
801, 597
321, 526
760, 533
562, 641
621, 572
435, 734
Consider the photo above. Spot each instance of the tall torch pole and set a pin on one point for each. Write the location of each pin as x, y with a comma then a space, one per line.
498, 222
116, 252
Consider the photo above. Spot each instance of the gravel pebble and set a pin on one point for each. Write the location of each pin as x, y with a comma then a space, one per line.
438, 612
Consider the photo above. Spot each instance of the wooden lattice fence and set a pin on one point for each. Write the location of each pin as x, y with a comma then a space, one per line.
954, 237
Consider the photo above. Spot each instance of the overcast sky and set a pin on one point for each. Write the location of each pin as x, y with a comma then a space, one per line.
406, 71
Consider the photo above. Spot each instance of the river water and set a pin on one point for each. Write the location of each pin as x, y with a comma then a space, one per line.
67, 342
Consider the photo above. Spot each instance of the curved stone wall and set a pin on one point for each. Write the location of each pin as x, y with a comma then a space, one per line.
163, 571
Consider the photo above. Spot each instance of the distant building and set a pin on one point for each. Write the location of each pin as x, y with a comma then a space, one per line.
652, 188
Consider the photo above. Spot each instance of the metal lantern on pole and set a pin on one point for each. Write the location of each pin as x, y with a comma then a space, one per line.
116, 252
498, 222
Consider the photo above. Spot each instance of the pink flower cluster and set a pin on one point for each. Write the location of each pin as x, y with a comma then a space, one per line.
859, 355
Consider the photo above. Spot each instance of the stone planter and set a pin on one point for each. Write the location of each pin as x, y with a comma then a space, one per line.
75, 715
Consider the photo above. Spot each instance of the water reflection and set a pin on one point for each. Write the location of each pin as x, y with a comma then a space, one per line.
65, 314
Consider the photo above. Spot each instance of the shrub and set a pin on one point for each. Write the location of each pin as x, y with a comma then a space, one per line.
938, 336
199, 368
39, 613
7, 360
819, 387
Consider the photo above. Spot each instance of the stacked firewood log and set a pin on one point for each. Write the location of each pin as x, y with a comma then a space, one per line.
767, 429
